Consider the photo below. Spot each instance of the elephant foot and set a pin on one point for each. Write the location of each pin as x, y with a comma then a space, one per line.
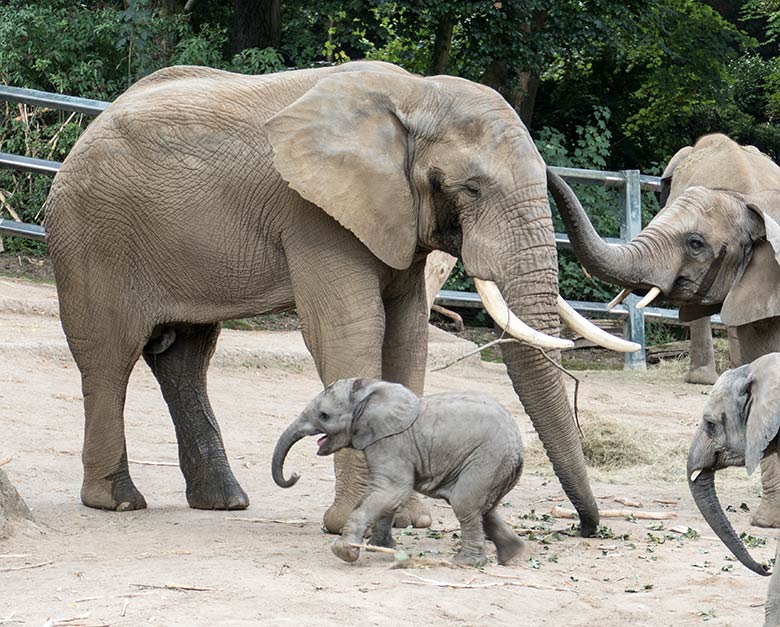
767, 515
384, 539
222, 492
117, 493
344, 551
415, 513
702, 376
477, 559
508, 551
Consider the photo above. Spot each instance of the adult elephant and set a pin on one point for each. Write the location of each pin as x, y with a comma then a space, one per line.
709, 250
717, 162
201, 195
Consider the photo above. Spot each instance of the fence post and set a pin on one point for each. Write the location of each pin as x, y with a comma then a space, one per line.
631, 225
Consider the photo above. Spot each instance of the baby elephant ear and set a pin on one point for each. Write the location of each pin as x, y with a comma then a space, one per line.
762, 408
380, 409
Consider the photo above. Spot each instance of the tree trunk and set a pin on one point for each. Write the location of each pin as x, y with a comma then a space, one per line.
442, 44
12, 507
256, 24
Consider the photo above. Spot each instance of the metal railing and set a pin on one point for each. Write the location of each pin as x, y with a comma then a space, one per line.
631, 181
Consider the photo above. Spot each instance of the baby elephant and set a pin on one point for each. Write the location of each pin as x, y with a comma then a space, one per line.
739, 428
465, 449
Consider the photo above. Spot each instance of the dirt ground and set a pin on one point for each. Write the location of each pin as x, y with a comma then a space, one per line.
270, 565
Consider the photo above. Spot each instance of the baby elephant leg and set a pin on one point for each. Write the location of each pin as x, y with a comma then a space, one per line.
472, 537
382, 531
378, 505
508, 544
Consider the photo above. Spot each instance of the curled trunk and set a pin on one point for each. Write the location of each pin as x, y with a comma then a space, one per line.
618, 264
703, 491
291, 435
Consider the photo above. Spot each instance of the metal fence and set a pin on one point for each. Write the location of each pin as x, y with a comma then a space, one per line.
631, 181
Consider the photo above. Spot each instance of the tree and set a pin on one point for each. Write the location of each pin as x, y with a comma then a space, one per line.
256, 24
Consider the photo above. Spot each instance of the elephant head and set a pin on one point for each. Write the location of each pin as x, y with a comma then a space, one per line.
351, 413
739, 427
410, 165
708, 250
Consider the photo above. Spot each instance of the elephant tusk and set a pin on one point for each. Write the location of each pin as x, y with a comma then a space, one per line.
499, 310
583, 326
649, 298
619, 298
695, 474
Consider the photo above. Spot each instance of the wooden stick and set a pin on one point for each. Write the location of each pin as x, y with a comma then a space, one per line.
280, 521
5, 460
473, 352
151, 463
176, 586
627, 502
561, 512
14, 555
667, 501
12, 568
492, 584
374, 549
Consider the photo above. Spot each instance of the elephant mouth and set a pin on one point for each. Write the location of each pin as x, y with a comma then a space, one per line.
322, 443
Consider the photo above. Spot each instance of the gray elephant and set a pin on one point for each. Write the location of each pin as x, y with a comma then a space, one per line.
739, 428
709, 250
201, 195
465, 449
717, 162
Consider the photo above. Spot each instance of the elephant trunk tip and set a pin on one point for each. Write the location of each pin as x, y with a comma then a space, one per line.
287, 483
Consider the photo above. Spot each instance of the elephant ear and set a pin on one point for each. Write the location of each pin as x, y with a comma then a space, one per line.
380, 409
666, 177
756, 295
762, 408
344, 146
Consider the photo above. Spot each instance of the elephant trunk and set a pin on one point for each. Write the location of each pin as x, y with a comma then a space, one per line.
291, 435
702, 486
628, 264
530, 287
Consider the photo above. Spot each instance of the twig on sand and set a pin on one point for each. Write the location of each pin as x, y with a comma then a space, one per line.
125, 603
403, 560
562, 512
280, 521
491, 584
27, 566
13, 555
176, 586
667, 501
10, 619
74, 621
5, 460
151, 463
627, 502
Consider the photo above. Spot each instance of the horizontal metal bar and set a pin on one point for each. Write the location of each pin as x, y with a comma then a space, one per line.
53, 101
28, 164
452, 298
22, 229
562, 240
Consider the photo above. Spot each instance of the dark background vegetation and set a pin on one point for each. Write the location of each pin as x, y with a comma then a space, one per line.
601, 84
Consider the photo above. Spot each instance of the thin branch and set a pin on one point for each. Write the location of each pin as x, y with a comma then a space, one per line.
492, 584
176, 586
562, 512
151, 463
12, 568
479, 349
576, 386
280, 521
6, 460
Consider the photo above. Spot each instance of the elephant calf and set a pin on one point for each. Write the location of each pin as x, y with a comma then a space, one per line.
465, 449
740, 428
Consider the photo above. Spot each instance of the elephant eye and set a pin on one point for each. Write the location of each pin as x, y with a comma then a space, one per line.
472, 189
323, 416
695, 244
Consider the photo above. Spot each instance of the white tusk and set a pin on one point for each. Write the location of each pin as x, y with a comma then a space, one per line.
695, 474
649, 298
499, 310
590, 331
619, 298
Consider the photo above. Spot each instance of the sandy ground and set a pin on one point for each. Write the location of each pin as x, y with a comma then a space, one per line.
113, 568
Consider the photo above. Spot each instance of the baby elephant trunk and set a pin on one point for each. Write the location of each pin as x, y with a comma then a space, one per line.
291, 435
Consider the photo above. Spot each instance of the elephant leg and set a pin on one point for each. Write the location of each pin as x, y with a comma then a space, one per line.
472, 538
105, 367
180, 370
508, 543
772, 605
735, 354
381, 500
404, 356
702, 354
382, 531
768, 512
